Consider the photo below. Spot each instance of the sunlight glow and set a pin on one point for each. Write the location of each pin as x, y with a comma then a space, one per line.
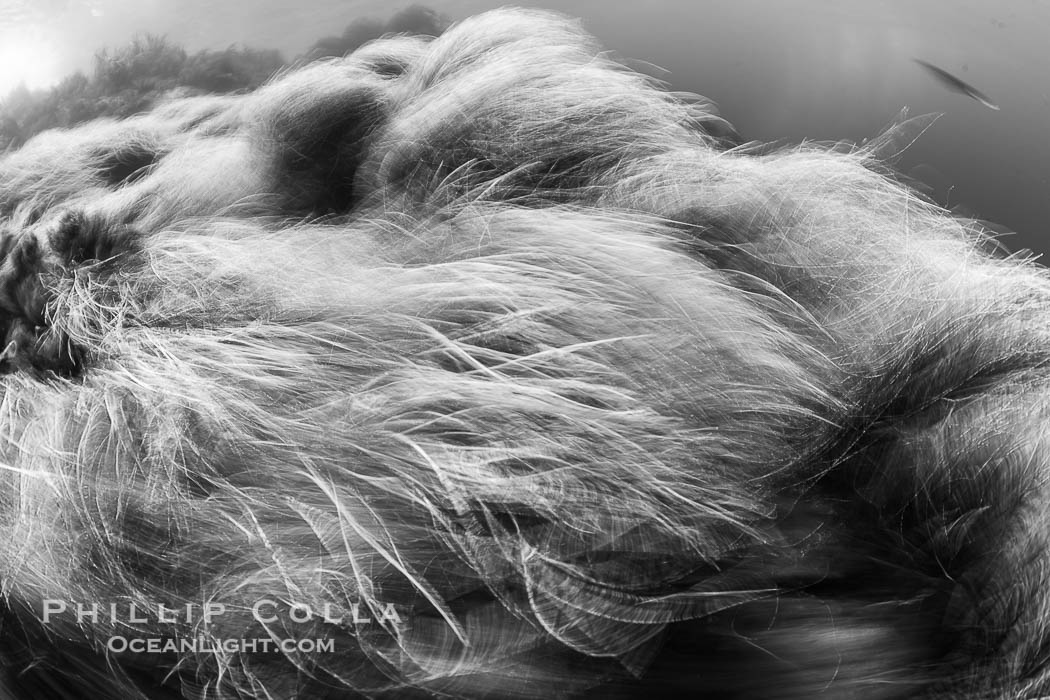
27, 57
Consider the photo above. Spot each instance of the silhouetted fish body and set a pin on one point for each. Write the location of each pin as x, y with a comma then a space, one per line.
957, 85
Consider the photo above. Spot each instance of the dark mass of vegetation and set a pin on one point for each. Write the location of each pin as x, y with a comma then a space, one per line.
130, 79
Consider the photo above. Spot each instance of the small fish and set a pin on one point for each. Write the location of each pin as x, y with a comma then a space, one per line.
953, 83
